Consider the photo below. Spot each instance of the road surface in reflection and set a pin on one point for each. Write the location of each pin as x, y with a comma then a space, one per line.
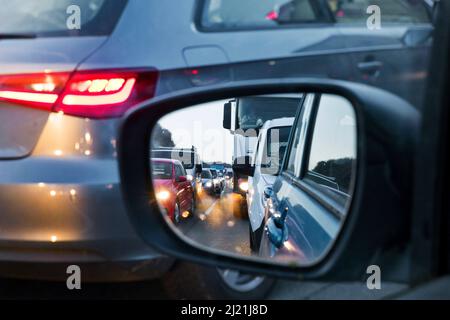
214, 226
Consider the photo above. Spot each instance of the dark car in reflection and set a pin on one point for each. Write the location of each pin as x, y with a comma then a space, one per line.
309, 199
217, 182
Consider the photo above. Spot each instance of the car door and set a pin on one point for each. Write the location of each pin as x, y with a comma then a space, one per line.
311, 197
322, 38
394, 54
234, 40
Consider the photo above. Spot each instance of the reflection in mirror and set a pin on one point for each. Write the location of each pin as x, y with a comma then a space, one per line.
263, 176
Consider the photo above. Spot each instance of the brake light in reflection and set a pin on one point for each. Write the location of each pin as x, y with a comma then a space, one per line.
91, 94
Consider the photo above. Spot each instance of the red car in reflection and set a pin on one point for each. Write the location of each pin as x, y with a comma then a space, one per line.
174, 191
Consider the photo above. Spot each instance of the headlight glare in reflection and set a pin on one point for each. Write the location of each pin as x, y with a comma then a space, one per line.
243, 186
163, 195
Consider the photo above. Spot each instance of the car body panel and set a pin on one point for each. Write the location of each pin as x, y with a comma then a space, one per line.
403, 55
310, 227
58, 54
298, 223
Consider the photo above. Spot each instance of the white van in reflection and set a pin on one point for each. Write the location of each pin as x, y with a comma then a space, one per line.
267, 159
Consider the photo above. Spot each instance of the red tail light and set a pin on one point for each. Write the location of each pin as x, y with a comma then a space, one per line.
92, 94
272, 15
106, 94
35, 90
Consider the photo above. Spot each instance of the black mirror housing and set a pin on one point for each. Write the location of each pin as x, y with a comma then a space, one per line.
227, 115
386, 156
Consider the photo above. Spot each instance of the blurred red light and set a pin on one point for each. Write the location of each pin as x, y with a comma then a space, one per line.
91, 94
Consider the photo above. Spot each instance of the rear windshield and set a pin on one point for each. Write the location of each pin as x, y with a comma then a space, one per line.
56, 18
162, 170
206, 175
186, 157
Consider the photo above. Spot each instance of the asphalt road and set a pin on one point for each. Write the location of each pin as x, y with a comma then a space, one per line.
214, 225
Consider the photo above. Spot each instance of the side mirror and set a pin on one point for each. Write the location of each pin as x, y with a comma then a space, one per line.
243, 166
198, 168
227, 115
182, 179
268, 191
283, 14
346, 169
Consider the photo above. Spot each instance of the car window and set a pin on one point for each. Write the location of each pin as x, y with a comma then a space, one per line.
206, 175
253, 112
275, 149
47, 18
162, 170
232, 14
179, 171
332, 157
392, 11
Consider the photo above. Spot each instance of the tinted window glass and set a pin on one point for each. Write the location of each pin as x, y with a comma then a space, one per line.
186, 157
206, 174
179, 171
47, 18
332, 155
229, 14
162, 170
392, 11
253, 112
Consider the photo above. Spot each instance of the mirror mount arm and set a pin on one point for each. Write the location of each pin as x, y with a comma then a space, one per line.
268, 192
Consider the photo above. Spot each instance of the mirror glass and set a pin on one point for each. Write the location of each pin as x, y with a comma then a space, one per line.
268, 176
